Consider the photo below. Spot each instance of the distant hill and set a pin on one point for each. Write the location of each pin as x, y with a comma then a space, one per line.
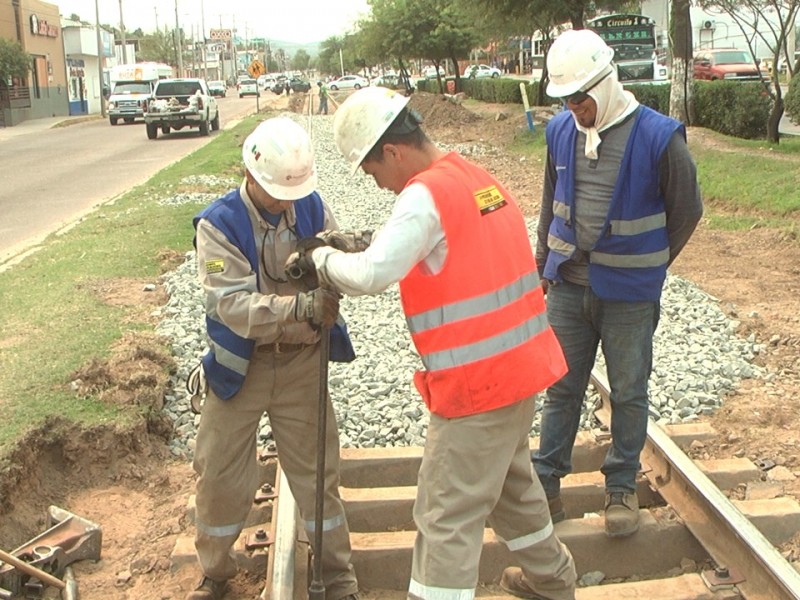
291, 48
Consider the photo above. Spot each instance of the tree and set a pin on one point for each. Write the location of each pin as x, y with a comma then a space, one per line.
14, 61
301, 60
157, 47
771, 22
435, 30
681, 105
544, 19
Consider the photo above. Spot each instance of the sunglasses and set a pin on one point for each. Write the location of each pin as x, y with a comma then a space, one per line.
580, 96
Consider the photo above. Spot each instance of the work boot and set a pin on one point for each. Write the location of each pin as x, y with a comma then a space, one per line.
208, 589
514, 583
556, 507
622, 514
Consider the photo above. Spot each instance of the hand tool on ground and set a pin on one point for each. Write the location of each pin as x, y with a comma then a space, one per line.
316, 591
29, 569
70, 592
68, 538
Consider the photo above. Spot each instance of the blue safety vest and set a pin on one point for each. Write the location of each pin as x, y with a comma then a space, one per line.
226, 362
629, 260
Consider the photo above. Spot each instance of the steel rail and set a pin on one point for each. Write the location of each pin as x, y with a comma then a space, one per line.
758, 569
279, 584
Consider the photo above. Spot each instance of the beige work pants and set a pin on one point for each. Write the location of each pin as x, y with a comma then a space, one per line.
477, 469
286, 387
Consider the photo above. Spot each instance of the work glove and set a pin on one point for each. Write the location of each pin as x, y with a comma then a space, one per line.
347, 241
319, 307
299, 267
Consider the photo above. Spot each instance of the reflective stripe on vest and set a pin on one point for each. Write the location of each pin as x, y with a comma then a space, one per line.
628, 262
473, 306
486, 348
480, 322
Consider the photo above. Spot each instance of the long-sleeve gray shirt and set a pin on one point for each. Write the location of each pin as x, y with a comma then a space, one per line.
594, 185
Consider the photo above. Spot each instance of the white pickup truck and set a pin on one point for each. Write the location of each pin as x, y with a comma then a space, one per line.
179, 103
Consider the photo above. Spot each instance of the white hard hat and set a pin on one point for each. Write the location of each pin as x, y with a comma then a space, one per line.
278, 154
362, 119
577, 58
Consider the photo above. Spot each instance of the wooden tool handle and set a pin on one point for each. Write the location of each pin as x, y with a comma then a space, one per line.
31, 570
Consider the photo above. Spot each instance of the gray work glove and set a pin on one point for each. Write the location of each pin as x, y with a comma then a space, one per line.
347, 241
319, 307
299, 267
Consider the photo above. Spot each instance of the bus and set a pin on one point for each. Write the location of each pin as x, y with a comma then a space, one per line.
634, 40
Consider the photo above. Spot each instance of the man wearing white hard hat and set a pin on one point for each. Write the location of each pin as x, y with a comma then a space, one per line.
620, 201
264, 357
457, 244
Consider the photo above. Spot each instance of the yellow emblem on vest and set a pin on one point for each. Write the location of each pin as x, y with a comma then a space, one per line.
215, 265
489, 199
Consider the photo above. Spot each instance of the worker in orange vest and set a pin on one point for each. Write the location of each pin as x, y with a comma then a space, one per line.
457, 243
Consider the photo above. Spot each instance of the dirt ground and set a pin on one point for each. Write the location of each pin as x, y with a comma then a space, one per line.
124, 479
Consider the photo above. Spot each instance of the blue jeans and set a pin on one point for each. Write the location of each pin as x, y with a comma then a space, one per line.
580, 321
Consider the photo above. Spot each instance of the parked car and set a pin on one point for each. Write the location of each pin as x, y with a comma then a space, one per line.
348, 82
727, 63
388, 81
295, 84
481, 71
299, 85
217, 88
430, 72
248, 87
266, 82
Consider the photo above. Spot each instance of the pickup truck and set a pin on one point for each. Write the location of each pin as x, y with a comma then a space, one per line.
178, 103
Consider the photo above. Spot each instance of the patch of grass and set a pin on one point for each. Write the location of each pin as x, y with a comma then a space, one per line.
742, 181
60, 321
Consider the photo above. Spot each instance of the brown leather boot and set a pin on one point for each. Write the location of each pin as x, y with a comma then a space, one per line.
513, 582
622, 514
208, 589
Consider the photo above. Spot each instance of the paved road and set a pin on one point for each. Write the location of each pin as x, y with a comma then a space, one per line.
51, 175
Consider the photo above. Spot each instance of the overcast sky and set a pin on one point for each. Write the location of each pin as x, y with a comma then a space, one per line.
289, 20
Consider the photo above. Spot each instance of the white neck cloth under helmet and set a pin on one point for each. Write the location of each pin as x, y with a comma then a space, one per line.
614, 104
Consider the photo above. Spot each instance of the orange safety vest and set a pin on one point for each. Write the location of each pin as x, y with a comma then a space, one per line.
480, 324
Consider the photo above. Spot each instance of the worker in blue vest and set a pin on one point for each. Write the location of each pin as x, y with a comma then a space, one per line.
620, 201
264, 357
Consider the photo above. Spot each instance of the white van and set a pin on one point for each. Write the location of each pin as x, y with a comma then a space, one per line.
131, 86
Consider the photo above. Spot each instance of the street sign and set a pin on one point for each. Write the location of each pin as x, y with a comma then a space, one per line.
221, 34
257, 68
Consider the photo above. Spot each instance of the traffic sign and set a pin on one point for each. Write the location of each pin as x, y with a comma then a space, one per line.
257, 68
221, 34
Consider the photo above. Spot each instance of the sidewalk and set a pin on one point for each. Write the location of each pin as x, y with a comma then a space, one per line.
37, 125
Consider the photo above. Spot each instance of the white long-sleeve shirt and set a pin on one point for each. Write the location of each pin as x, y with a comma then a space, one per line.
412, 234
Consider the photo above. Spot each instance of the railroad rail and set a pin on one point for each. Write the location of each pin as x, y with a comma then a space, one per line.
693, 542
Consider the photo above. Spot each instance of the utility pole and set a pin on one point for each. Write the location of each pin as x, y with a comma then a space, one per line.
122, 33
155, 10
178, 43
99, 58
203, 35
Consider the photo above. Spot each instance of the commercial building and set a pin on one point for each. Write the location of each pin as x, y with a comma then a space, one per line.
36, 26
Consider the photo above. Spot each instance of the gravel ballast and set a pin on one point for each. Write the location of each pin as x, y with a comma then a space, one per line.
698, 357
